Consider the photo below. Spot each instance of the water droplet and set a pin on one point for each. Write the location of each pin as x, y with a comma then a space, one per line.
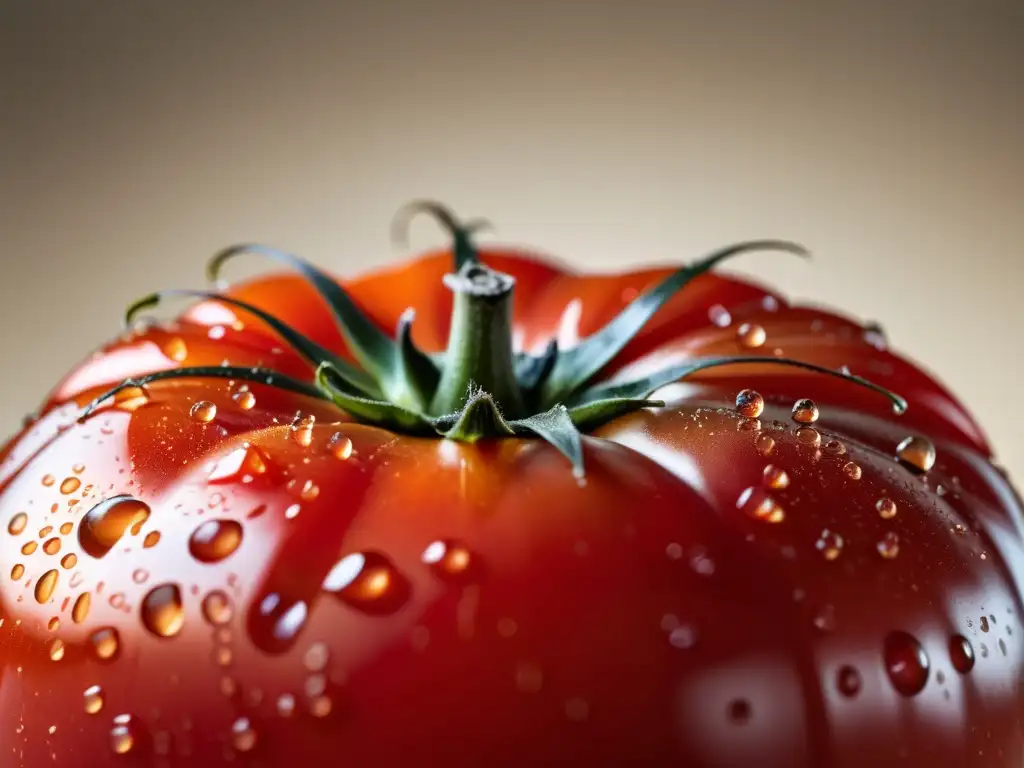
70, 485
340, 446
906, 663
739, 711
244, 398
369, 582
276, 622
176, 349
106, 643
852, 470
917, 453
808, 436
450, 560
57, 649
80, 610
292, 511
217, 607
805, 411
66, 528
162, 611
719, 315
307, 490
775, 477
243, 735
45, 586
105, 524
825, 618
886, 508
830, 544
835, 448
49, 480
848, 681
124, 734
93, 699
764, 444
759, 505
140, 575
984, 624
29, 547
751, 335
889, 545
302, 429
52, 546
285, 705
151, 540
203, 411
215, 540
529, 677
749, 403
17, 571
682, 637
17, 524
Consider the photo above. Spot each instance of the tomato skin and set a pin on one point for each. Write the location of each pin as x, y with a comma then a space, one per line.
638, 617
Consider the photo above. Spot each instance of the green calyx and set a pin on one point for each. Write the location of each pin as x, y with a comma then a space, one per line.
479, 387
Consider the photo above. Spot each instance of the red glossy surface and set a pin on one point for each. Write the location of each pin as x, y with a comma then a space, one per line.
420, 602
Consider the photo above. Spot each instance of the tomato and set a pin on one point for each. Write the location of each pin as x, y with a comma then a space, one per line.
766, 566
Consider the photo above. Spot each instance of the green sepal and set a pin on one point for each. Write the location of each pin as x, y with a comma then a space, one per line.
645, 385
312, 352
463, 250
532, 370
413, 377
577, 365
379, 413
264, 376
557, 428
403, 373
597, 412
479, 418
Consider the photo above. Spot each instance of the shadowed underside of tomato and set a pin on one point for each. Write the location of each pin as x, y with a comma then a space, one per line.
660, 517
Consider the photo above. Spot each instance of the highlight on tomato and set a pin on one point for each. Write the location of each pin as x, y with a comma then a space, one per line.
479, 509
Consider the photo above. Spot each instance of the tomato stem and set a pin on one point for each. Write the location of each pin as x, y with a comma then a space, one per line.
479, 352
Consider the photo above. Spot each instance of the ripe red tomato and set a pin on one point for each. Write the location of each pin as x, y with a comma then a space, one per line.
208, 570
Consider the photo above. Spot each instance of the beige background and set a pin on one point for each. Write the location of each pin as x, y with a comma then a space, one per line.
137, 137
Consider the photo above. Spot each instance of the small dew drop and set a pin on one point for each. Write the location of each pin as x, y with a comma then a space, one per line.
449, 560
906, 663
764, 444
889, 545
69, 485
151, 540
217, 608
45, 586
369, 582
103, 526
215, 540
93, 699
852, 470
340, 446
751, 335
808, 436
162, 611
302, 429
80, 610
57, 650
719, 315
886, 508
17, 571
29, 547
106, 643
848, 681
984, 624
49, 480
52, 546
916, 453
203, 411
775, 477
285, 705
805, 411
243, 735
759, 505
67, 528
123, 735
244, 398
749, 403
17, 524
830, 544
834, 448
682, 637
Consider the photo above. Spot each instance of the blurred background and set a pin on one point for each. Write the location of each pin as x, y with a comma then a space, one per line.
138, 137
